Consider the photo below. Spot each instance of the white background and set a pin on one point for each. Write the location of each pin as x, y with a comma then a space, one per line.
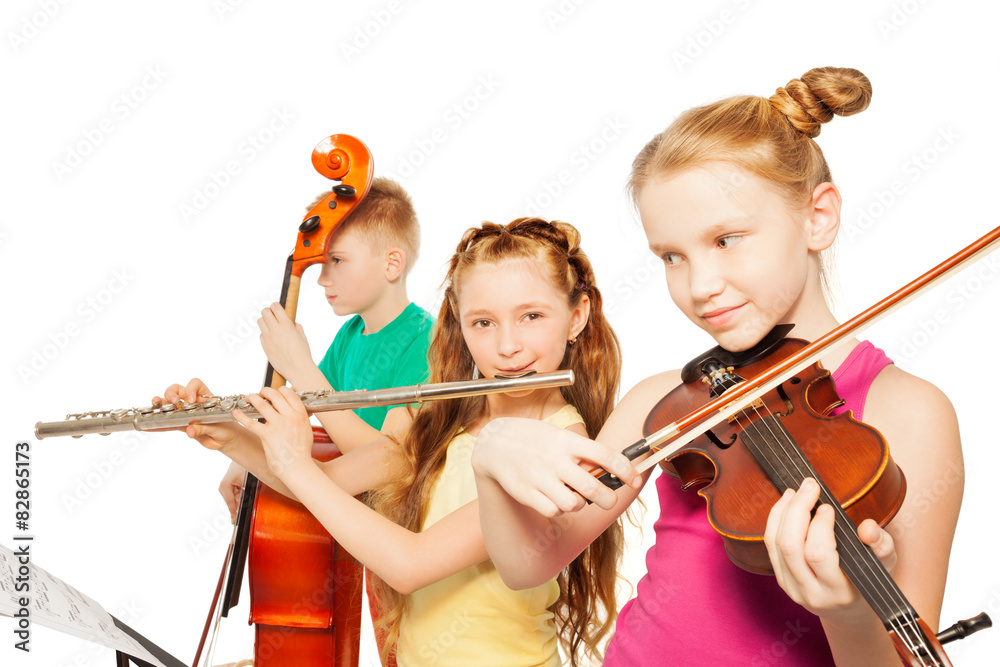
477, 111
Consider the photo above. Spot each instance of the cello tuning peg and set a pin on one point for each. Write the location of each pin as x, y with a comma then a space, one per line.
309, 224
344, 190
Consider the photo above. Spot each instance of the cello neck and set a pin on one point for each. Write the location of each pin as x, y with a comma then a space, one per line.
290, 302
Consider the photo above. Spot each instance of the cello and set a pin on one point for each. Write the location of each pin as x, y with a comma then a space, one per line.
746, 426
310, 614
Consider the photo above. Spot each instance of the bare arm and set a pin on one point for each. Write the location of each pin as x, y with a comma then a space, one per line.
532, 487
406, 560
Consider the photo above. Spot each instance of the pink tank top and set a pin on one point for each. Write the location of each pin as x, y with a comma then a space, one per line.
695, 607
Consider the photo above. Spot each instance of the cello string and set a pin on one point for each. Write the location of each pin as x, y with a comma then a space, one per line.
853, 556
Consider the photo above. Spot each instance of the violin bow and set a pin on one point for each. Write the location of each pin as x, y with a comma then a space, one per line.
672, 437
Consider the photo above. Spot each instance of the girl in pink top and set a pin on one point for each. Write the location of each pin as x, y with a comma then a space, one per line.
737, 200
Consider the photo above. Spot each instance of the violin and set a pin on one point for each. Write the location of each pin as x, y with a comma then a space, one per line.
309, 614
746, 426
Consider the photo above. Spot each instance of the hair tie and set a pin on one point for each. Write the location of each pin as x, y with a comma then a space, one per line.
582, 287
504, 230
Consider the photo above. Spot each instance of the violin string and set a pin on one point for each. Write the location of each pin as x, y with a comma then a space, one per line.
796, 474
852, 559
851, 563
854, 556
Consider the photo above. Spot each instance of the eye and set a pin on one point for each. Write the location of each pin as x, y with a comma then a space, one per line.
670, 258
728, 242
480, 324
335, 260
531, 317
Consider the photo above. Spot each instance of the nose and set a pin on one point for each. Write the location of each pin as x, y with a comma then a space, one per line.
509, 342
706, 279
325, 277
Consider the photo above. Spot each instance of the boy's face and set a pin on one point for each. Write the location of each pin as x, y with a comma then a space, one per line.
353, 277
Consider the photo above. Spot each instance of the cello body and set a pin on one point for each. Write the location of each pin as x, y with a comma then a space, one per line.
306, 607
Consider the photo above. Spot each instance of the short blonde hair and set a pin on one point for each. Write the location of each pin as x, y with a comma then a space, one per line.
385, 219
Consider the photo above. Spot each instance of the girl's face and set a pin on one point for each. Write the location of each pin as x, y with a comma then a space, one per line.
736, 258
513, 319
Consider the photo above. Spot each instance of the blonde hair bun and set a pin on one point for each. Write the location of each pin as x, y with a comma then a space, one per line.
820, 94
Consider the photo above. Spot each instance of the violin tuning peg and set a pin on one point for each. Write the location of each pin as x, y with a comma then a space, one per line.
344, 190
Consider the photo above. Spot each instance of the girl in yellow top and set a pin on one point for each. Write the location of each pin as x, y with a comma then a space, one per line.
520, 297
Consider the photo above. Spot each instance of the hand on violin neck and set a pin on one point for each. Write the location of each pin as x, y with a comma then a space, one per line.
287, 348
285, 434
803, 552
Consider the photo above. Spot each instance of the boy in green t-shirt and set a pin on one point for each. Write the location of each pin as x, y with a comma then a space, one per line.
383, 345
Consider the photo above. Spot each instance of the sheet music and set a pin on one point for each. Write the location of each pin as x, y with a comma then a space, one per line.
56, 604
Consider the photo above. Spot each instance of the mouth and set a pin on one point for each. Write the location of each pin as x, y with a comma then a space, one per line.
508, 372
505, 376
721, 316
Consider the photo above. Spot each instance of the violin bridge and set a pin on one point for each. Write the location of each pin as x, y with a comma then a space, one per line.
756, 405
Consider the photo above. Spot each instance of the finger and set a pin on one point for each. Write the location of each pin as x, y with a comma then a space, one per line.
194, 390
588, 487
774, 519
880, 541
172, 393
251, 425
610, 460
279, 314
280, 404
792, 531
820, 551
268, 318
541, 503
232, 501
293, 401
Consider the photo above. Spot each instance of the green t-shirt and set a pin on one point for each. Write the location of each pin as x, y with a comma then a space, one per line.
394, 356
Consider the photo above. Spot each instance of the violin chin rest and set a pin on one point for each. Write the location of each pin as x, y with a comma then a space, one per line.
692, 369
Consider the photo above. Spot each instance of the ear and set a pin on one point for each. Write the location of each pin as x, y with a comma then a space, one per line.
824, 217
579, 316
395, 263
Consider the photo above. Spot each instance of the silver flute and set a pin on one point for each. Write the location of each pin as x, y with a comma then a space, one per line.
214, 409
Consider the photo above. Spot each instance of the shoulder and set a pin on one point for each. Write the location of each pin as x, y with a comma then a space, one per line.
920, 426
625, 423
899, 402
418, 319
567, 417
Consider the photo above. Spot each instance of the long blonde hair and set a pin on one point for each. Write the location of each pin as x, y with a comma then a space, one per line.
769, 137
586, 608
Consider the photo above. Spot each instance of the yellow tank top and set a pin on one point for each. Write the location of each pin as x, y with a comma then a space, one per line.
472, 618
